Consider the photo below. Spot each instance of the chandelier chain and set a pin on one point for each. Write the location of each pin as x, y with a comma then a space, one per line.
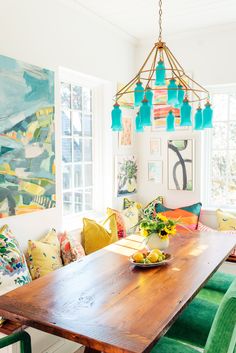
160, 21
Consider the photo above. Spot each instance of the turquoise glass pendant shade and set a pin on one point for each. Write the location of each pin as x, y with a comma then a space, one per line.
207, 116
180, 94
172, 98
198, 119
149, 96
138, 94
145, 113
138, 124
185, 113
170, 121
160, 74
116, 116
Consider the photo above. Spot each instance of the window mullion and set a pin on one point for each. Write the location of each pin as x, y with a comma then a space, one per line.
80, 138
227, 154
73, 163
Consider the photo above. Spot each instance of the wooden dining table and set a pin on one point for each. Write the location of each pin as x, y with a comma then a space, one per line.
107, 304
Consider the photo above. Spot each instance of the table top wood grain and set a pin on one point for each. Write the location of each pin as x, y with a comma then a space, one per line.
107, 304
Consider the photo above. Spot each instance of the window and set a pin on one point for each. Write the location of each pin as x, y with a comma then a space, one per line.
77, 148
221, 144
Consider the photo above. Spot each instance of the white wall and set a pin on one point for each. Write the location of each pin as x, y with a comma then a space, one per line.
210, 56
52, 34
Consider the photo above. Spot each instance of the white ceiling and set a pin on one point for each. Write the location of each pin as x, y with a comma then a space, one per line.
139, 18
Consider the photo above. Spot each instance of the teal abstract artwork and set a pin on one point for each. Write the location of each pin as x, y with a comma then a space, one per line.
27, 138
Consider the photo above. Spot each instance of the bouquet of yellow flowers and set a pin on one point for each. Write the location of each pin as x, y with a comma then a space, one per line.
160, 225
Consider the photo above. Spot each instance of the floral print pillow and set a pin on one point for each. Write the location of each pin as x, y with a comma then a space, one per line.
13, 268
71, 249
149, 211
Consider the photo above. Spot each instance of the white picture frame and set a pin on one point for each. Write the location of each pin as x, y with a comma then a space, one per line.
155, 147
155, 171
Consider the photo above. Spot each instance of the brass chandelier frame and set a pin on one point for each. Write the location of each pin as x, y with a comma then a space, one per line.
194, 92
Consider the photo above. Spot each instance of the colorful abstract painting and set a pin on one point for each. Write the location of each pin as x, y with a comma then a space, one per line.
161, 110
126, 175
180, 164
27, 147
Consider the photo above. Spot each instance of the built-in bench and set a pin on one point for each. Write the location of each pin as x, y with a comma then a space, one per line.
41, 341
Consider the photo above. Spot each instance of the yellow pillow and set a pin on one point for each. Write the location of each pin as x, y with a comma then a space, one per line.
226, 220
44, 255
96, 236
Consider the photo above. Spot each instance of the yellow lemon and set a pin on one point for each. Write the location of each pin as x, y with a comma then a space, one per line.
153, 257
157, 251
138, 257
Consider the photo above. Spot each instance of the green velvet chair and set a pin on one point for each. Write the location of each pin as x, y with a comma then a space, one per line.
22, 337
222, 335
216, 287
199, 315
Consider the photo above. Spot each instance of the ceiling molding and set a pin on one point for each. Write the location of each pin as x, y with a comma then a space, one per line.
191, 33
77, 5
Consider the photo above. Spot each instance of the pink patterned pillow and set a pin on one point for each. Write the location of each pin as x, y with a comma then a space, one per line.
120, 223
71, 249
233, 253
203, 228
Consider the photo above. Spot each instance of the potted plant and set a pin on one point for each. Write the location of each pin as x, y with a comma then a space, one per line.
157, 231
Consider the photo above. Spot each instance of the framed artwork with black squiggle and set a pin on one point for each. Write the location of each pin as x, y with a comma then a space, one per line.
180, 164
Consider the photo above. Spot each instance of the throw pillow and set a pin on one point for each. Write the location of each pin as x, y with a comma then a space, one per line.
44, 255
96, 236
71, 249
131, 218
203, 228
13, 268
126, 220
227, 224
226, 220
120, 222
149, 211
188, 216
127, 203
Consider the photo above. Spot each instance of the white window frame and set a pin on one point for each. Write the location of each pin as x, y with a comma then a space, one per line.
206, 152
98, 87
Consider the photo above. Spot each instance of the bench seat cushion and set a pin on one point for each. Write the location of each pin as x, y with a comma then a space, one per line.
220, 282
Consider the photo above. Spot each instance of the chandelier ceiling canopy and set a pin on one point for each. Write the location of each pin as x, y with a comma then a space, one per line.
161, 72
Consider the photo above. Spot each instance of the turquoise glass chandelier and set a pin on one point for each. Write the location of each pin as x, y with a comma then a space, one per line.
161, 72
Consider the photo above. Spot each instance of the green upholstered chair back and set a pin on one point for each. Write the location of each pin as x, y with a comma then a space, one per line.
222, 337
